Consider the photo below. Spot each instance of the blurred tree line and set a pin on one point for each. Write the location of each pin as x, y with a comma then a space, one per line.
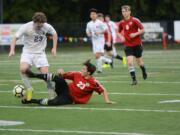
69, 11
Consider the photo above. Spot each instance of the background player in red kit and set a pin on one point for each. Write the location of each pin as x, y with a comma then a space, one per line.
79, 91
132, 28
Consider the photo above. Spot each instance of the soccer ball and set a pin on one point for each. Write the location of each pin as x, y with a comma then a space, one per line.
19, 91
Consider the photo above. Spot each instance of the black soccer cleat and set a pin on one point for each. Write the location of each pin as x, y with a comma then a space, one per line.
134, 82
112, 64
99, 72
29, 73
144, 75
24, 101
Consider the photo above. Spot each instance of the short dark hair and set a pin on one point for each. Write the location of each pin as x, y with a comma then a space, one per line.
90, 67
107, 15
93, 10
100, 15
126, 7
39, 17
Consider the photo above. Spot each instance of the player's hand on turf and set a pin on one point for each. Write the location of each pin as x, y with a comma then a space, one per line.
111, 102
11, 53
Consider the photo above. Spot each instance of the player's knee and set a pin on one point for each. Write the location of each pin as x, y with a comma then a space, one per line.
130, 64
23, 70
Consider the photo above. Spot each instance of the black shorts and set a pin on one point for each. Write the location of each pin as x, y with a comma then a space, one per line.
62, 91
108, 48
134, 51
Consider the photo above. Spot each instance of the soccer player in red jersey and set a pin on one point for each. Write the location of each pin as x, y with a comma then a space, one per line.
79, 91
133, 29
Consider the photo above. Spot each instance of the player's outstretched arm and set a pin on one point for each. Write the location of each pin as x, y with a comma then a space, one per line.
106, 97
61, 72
12, 47
53, 51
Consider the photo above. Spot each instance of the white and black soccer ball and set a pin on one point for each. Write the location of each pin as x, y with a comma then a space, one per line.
19, 91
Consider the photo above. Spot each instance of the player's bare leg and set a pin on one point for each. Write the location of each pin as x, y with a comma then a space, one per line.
50, 88
131, 69
23, 68
115, 55
142, 66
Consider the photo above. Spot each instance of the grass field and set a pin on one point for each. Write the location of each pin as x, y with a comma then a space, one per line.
139, 109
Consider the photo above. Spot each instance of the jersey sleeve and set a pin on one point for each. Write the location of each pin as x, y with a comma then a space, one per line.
50, 29
69, 75
21, 31
104, 27
138, 23
88, 28
99, 87
115, 26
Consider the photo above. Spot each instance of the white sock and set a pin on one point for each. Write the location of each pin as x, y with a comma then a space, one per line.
105, 60
99, 64
50, 89
26, 81
114, 51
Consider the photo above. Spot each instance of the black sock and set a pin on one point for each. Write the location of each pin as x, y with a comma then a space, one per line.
143, 68
118, 57
41, 76
36, 101
133, 75
45, 77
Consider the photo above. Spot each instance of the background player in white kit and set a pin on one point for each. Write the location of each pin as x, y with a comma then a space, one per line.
113, 29
34, 39
96, 29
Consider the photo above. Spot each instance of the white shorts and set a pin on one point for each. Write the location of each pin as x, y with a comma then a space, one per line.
98, 46
38, 60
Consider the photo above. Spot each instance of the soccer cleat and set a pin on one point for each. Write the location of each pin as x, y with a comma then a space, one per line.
106, 66
134, 82
111, 64
144, 75
24, 101
29, 93
124, 61
99, 72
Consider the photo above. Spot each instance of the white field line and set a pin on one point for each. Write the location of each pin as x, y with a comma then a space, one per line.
103, 81
67, 63
90, 108
10, 123
150, 82
78, 65
169, 101
111, 93
69, 131
3, 84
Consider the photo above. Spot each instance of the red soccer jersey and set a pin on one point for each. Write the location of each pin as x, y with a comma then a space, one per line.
108, 34
81, 89
131, 26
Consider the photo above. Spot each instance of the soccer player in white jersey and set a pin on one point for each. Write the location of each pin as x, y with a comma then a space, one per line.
33, 35
113, 29
95, 29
